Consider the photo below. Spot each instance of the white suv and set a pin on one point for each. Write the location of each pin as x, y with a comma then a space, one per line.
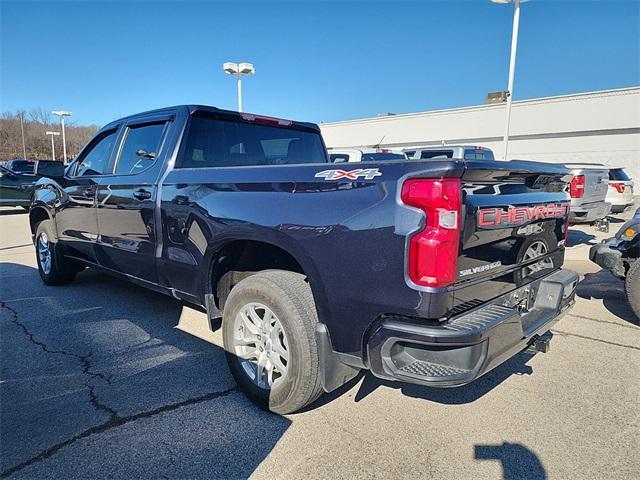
620, 193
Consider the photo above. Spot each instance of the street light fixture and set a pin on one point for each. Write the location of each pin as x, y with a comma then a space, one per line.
62, 114
238, 70
512, 67
53, 147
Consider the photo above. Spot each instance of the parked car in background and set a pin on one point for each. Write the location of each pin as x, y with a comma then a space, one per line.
621, 256
20, 166
620, 192
405, 268
350, 156
588, 190
440, 152
16, 188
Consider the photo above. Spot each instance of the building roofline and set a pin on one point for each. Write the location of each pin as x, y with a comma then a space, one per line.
565, 97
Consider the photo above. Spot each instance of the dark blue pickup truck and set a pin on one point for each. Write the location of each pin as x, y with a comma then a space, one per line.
423, 271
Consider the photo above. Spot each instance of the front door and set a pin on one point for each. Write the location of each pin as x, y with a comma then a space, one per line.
76, 219
126, 202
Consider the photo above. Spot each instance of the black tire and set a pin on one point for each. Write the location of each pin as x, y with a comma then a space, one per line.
289, 297
59, 271
632, 287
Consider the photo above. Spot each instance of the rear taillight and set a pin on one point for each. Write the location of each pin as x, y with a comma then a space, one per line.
618, 186
576, 189
433, 251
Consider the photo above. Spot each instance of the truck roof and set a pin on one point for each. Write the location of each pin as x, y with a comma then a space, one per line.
193, 108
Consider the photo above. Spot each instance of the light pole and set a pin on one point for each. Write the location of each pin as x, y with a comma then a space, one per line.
62, 114
238, 70
53, 146
512, 67
24, 145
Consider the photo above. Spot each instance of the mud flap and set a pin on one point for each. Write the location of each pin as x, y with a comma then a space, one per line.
214, 314
333, 372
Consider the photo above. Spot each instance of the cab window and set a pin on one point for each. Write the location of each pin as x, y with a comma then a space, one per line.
140, 149
95, 160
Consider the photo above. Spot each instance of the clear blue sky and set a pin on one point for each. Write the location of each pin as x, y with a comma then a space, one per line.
315, 61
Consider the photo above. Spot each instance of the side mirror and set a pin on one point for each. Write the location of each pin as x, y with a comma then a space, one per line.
49, 168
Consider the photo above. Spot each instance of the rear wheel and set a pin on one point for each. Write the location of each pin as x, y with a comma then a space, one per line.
632, 287
269, 322
53, 268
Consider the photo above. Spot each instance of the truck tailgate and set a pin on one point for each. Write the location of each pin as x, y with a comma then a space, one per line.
514, 223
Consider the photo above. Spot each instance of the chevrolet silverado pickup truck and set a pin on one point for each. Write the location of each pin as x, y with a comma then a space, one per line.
430, 272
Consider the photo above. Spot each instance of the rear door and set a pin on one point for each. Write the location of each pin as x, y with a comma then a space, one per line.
126, 199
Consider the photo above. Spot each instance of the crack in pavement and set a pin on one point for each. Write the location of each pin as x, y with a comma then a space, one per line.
84, 360
585, 337
582, 317
115, 420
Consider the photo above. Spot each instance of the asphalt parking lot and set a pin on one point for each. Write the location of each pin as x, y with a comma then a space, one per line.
101, 378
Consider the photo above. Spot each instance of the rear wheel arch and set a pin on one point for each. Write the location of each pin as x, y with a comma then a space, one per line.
237, 259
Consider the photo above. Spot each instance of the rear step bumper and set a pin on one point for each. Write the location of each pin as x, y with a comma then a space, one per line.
472, 344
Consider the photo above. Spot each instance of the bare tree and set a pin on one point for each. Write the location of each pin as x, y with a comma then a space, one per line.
38, 145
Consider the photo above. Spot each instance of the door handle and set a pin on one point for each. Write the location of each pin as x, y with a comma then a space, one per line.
142, 194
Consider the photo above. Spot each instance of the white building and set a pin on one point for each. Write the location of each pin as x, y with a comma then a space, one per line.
601, 126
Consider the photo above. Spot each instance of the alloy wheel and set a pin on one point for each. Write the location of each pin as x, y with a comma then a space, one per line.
261, 345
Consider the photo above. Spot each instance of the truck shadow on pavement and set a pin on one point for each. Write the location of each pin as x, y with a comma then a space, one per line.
604, 286
96, 382
518, 462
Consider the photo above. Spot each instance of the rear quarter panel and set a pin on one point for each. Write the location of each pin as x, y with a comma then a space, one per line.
342, 232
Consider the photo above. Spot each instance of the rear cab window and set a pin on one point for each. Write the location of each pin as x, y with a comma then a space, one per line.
215, 140
478, 154
436, 154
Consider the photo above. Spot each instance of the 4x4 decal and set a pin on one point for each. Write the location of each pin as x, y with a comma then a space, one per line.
365, 173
